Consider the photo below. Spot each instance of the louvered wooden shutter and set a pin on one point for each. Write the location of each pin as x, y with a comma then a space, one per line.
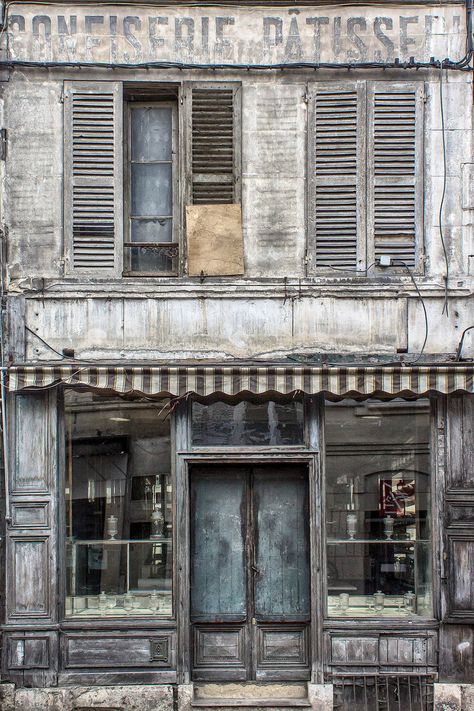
214, 143
336, 175
395, 169
93, 177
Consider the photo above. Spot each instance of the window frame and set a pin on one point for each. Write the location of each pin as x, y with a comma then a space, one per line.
176, 151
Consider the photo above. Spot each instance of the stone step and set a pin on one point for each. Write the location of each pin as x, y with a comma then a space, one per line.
252, 691
250, 705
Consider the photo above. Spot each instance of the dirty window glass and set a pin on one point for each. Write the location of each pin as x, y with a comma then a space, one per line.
118, 493
377, 510
247, 423
152, 247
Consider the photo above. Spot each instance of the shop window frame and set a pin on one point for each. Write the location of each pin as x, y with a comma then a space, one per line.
153, 620
336, 622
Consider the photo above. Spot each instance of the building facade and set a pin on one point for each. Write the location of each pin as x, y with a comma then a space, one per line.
238, 341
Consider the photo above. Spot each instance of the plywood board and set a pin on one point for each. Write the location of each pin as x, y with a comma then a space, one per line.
215, 241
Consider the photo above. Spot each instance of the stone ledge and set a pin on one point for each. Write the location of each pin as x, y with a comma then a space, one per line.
97, 698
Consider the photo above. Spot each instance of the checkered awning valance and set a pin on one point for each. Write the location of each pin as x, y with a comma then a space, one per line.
204, 380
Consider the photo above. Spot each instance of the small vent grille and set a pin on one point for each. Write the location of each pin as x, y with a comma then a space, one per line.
387, 692
93, 194
336, 164
213, 157
394, 137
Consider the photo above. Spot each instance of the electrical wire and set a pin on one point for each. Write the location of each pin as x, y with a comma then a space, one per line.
51, 348
432, 64
400, 261
459, 348
443, 195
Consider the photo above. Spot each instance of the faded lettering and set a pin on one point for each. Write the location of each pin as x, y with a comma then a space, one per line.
244, 35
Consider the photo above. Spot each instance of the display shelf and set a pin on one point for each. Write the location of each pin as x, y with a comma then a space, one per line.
88, 605
116, 541
365, 541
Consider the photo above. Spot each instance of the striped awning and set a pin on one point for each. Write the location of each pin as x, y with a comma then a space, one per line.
204, 380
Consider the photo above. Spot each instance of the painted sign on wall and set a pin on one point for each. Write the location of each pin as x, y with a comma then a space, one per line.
233, 35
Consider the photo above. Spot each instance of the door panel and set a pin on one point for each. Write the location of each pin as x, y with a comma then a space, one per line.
250, 599
218, 575
282, 546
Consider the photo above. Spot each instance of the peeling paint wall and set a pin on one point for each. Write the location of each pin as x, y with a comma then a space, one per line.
275, 308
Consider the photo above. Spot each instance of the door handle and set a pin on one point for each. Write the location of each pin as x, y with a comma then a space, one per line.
255, 570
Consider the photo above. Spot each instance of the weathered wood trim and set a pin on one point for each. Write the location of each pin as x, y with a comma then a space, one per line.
182, 595
314, 414
14, 328
438, 470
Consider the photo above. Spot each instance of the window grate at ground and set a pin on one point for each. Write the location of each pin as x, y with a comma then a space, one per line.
388, 692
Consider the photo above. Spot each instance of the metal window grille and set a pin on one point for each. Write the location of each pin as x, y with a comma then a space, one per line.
385, 692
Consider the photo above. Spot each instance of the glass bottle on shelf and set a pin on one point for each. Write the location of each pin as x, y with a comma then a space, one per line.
102, 601
379, 601
351, 522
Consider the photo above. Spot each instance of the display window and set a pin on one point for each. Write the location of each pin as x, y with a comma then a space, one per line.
377, 493
119, 506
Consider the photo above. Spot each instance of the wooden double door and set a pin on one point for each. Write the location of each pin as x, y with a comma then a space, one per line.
250, 572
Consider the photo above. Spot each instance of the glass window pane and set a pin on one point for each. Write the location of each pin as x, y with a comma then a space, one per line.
247, 424
377, 508
144, 259
160, 230
118, 506
152, 189
151, 133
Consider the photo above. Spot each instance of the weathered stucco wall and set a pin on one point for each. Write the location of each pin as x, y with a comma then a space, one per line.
275, 308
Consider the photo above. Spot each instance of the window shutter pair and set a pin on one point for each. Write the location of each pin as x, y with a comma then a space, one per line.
93, 165
366, 172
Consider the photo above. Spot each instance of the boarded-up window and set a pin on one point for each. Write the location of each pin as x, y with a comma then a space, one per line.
214, 231
365, 195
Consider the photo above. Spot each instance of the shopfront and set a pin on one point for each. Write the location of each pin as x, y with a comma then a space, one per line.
218, 524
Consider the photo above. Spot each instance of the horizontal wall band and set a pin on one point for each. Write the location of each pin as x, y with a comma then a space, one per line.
179, 381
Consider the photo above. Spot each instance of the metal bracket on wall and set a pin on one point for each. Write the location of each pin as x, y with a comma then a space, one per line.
3, 143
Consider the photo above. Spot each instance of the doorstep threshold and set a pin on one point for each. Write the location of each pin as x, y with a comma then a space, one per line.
267, 703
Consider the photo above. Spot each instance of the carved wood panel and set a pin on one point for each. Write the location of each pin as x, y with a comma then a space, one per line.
350, 652
109, 650
28, 593
282, 648
31, 471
